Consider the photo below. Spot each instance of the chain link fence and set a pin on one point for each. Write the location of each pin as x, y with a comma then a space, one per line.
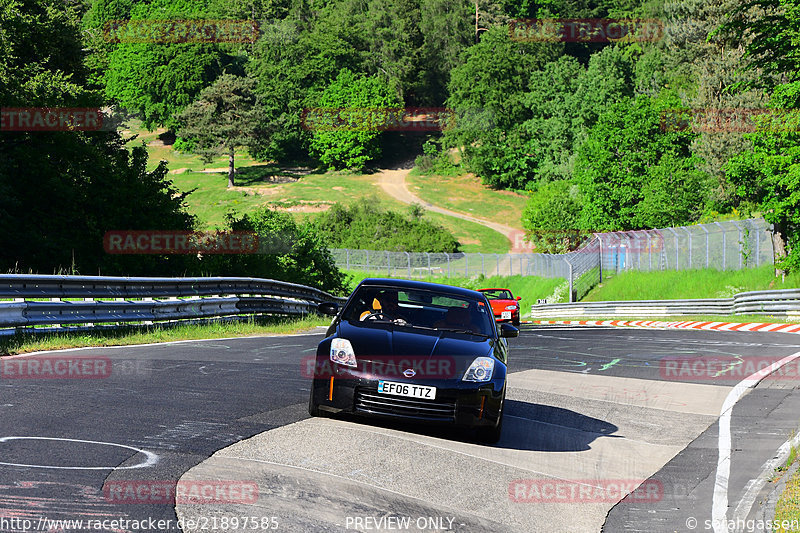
729, 245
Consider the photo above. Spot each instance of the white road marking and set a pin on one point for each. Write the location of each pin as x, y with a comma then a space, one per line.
719, 507
150, 461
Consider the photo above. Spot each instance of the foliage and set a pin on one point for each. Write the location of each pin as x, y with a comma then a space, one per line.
366, 225
225, 116
287, 251
554, 207
769, 174
634, 175
346, 137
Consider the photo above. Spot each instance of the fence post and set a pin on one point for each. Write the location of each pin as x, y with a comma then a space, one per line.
689, 233
569, 266
388, 265
448, 263
649, 252
367, 266
483, 264
408, 256
741, 244
724, 251
347, 258
704, 229
600, 254
677, 249
758, 247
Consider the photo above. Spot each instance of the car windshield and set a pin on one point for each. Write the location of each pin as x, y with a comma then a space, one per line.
498, 294
418, 308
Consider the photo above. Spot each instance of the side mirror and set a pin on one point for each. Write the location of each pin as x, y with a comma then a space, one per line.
328, 308
508, 331
519, 298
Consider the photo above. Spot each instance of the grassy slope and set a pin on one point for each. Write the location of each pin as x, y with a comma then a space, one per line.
257, 186
669, 285
466, 194
529, 287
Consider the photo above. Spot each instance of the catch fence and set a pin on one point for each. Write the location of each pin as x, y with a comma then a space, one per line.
729, 245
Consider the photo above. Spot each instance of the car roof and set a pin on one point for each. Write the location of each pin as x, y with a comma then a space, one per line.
495, 289
421, 285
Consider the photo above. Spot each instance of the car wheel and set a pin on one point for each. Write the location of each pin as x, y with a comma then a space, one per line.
491, 435
313, 409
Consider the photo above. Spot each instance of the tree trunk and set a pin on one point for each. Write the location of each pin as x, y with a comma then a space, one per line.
779, 247
230, 168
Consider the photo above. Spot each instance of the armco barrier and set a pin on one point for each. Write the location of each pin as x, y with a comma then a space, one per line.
38, 300
780, 303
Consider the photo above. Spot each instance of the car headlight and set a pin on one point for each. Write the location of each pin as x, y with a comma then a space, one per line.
481, 369
342, 352
511, 308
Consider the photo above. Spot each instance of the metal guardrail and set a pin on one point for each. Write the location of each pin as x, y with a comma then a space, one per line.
779, 303
39, 300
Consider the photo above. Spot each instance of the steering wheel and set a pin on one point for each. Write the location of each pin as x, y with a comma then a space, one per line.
374, 316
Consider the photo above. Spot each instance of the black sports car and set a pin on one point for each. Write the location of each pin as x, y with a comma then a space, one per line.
416, 351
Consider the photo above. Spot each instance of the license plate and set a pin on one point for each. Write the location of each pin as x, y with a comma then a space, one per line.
407, 389
506, 315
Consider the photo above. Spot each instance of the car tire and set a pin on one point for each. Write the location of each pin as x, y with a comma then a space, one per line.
313, 409
490, 435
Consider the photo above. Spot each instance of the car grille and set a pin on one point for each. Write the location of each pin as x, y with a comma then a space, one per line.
369, 401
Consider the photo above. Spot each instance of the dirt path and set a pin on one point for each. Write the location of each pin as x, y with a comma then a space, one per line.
394, 183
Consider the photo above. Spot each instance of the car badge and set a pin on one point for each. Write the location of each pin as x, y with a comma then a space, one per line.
410, 373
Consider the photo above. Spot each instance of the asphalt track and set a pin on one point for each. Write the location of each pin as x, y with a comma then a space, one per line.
591, 415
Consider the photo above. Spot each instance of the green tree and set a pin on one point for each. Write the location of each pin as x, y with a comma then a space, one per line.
551, 216
769, 174
634, 175
287, 251
158, 79
225, 117
351, 109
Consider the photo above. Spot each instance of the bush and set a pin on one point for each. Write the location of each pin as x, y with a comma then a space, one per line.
366, 225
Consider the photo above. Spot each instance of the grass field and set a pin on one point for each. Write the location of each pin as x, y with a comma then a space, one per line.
302, 192
466, 194
703, 283
24, 343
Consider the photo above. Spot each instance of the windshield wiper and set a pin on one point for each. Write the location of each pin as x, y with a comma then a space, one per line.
469, 331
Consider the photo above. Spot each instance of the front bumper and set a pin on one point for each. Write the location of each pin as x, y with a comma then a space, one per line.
462, 404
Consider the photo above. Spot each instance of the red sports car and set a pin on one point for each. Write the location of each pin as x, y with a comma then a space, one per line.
504, 305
